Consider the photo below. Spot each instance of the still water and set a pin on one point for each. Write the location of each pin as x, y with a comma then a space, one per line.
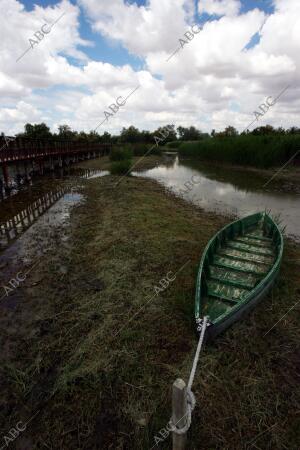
226, 191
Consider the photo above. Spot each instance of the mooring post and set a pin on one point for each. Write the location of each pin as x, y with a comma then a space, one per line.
179, 412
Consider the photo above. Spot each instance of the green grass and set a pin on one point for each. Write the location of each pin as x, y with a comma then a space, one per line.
128, 151
258, 151
121, 167
97, 390
121, 154
142, 149
174, 144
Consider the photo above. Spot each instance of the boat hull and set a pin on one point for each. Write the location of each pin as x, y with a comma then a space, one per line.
237, 270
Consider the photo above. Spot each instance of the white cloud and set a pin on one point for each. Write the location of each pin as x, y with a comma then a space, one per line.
219, 7
143, 29
15, 118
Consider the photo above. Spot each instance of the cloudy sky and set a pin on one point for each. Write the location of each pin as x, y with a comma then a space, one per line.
93, 52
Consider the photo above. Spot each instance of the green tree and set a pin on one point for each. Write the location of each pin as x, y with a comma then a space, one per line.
93, 136
65, 132
130, 135
230, 131
165, 134
293, 130
106, 138
267, 129
189, 134
36, 131
146, 137
81, 136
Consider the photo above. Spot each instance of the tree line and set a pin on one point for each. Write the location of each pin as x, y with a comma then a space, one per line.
133, 135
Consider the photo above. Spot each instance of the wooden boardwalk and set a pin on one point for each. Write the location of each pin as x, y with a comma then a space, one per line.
20, 157
20, 149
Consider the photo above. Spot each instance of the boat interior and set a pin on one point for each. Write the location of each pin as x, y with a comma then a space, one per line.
237, 259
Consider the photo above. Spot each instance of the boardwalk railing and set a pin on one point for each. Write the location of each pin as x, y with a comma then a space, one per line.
18, 149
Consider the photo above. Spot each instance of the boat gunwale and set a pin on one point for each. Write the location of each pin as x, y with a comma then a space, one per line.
253, 292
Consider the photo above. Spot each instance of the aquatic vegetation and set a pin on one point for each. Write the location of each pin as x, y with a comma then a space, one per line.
121, 167
121, 154
259, 151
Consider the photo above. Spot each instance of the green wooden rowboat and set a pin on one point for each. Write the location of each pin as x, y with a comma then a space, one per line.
238, 267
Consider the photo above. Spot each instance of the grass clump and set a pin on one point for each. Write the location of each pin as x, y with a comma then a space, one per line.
140, 149
121, 160
137, 149
174, 144
121, 154
121, 167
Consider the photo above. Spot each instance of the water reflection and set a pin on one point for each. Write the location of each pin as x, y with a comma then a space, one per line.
225, 191
22, 210
30, 234
24, 218
20, 183
87, 173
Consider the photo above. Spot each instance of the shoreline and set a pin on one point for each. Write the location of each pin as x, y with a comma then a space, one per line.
289, 175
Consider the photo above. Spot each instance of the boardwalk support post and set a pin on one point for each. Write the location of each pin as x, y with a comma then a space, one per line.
179, 412
5, 175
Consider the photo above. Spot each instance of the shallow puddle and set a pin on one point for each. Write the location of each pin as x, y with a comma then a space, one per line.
34, 221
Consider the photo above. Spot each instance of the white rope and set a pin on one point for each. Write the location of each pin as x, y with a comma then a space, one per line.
197, 354
191, 401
